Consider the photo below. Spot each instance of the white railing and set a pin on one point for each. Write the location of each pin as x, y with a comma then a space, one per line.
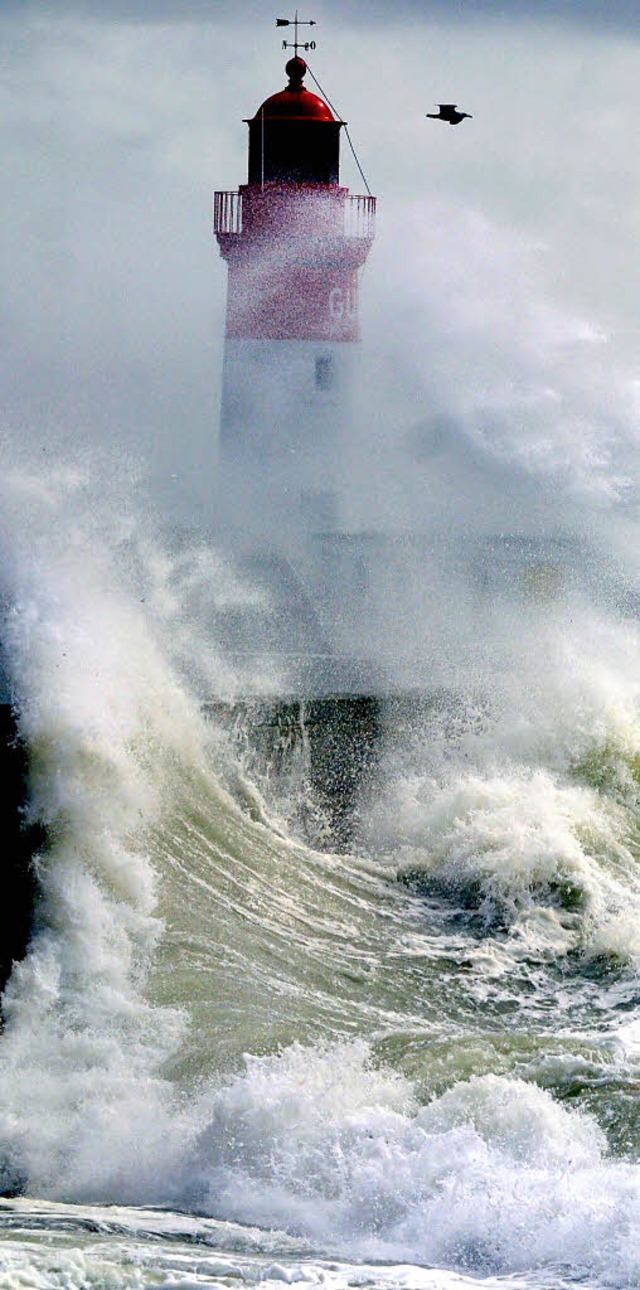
359, 215
227, 213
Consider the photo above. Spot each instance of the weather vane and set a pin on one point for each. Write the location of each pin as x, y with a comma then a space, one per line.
296, 44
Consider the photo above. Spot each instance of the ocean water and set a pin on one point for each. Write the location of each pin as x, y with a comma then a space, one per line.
231, 1057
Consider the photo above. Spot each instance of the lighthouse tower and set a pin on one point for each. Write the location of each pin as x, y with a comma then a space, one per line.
294, 241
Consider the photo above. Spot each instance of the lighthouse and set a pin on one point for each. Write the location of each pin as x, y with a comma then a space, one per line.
295, 241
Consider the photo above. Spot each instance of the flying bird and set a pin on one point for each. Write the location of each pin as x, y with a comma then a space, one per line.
448, 112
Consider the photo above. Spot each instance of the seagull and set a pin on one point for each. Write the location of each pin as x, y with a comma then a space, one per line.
448, 112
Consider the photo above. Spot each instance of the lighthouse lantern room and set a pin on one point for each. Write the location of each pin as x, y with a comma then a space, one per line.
294, 241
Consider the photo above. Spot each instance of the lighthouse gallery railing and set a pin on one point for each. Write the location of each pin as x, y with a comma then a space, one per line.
359, 214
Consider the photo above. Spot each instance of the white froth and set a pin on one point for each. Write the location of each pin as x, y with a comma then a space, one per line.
526, 812
103, 715
493, 1175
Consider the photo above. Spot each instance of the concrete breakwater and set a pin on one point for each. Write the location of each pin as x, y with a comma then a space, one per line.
335, 740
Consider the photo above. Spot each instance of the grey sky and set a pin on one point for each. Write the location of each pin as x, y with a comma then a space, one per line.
602, 13
502, 290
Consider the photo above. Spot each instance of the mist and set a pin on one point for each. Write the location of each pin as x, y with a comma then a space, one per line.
499, 389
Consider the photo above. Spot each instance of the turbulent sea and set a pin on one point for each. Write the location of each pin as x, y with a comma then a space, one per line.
235, 1056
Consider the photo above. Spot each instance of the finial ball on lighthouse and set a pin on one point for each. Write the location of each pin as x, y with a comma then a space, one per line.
296, 68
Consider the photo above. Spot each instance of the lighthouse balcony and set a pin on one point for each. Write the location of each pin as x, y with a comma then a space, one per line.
277, 211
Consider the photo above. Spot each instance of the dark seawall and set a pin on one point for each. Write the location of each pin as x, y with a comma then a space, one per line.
338, 735
19, 842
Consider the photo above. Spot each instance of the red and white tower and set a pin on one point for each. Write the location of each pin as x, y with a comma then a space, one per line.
294, 240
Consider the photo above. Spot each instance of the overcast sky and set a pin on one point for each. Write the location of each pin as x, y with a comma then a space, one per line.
501, 297
623, 14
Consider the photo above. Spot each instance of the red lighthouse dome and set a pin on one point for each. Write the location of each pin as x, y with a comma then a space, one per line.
301, 104
296, 100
